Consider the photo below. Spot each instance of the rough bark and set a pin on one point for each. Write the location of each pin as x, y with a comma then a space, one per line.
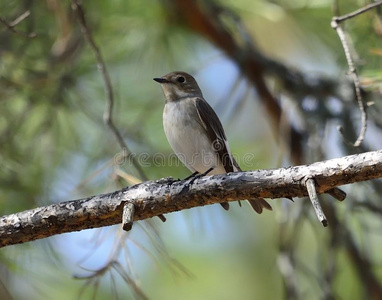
153, 198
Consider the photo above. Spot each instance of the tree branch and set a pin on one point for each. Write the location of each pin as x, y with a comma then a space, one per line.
310, 186
108, 114
357, 12
11, 25
152, 198
352, 69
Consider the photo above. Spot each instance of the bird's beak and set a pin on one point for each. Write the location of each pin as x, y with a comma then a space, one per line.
161, 80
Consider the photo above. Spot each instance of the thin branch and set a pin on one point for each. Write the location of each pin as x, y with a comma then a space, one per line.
336, 24
108, 114
20, 18
336, 8
353, 72
137, 291
364, 267
11, 25
370, 206
357, 12
310, 186
153, 198
361, 263
128, 216
336, 193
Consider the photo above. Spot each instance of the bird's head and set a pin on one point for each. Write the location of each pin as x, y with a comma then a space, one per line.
179, 85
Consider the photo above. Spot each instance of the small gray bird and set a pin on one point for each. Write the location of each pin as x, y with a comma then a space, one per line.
195, 132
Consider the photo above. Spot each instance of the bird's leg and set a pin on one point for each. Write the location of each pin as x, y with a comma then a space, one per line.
188, 177
186, 187
206, 172
197, 176
192, 175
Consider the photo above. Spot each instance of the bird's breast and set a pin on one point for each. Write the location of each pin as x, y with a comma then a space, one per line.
188, 138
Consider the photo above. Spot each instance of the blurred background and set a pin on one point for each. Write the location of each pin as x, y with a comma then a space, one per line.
275, 73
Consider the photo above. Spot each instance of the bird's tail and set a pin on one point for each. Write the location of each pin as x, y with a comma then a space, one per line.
258, 204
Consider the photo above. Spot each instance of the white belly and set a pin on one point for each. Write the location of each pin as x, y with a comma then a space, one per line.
189, 139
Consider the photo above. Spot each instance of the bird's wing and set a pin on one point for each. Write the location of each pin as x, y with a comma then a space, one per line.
210, 121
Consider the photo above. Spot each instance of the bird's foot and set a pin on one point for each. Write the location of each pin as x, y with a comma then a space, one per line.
192, 175
197, 176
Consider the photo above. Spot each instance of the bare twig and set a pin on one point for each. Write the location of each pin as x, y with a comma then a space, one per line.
336, 193
108, 114
336, 24
11, 25
357, 12
20, 18
336, 8
310, 186
77, 7
152, 198
95, 276
353, 72
128, 216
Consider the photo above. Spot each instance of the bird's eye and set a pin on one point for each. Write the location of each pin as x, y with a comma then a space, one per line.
181, 79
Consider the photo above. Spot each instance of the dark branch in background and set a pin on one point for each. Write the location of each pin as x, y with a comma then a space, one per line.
336, 24
207, 23
11, 25
205, 19
359, 260
77, 7
153, 198
364, 267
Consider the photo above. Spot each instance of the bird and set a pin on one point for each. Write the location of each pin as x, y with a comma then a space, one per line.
195, 132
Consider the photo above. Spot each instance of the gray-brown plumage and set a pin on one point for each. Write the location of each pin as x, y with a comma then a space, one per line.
195, 132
